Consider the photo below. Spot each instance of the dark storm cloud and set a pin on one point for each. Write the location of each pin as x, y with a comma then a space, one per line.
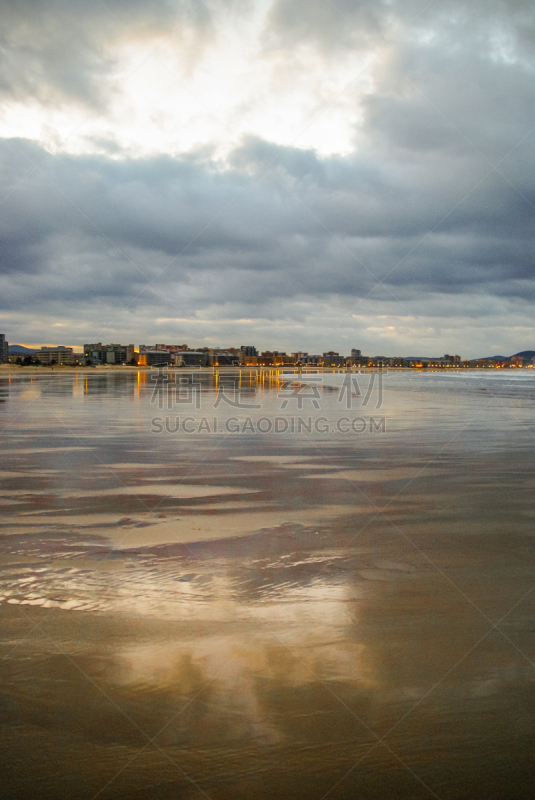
302, 226
436, 200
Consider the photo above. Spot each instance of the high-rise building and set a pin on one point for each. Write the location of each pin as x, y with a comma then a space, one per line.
4, 349
248, 355
357, 359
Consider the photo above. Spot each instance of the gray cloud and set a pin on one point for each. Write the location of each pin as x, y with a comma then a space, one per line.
66, 50
295, 229
434, 205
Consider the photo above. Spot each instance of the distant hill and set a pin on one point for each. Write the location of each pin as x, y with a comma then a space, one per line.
20, 350
527, 354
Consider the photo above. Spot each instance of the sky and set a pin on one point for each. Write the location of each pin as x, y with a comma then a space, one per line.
294, 175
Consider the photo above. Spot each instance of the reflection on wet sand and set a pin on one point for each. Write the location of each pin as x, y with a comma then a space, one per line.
241, 617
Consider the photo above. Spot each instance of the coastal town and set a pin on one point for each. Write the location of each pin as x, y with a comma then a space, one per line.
181, 355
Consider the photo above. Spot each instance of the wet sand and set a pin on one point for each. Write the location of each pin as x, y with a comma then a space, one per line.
267, 616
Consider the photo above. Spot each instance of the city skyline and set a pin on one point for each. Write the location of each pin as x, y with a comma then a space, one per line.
79, 348
123, 353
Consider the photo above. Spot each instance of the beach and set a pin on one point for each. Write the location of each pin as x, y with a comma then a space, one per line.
347, 611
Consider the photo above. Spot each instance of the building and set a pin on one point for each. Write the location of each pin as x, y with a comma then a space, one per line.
119, 353
414, 363
356, 359
380, 361
248, 361
443, 362
272, 358
487, 363
170, 348
155, 358
55, 355
93, 352
224, 358
109, 353
248, 355
266, 359
332, 359
4, 349
192, 358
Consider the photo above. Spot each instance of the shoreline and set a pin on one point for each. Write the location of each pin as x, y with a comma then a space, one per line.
6, 369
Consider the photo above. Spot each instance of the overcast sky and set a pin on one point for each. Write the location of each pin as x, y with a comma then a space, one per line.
296, 174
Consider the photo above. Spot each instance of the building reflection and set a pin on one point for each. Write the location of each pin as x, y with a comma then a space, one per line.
4, 390
112, 384
56, 386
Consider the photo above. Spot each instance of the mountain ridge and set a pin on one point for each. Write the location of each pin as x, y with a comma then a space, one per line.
20, 350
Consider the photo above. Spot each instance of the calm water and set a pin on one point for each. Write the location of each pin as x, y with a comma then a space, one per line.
236, 587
